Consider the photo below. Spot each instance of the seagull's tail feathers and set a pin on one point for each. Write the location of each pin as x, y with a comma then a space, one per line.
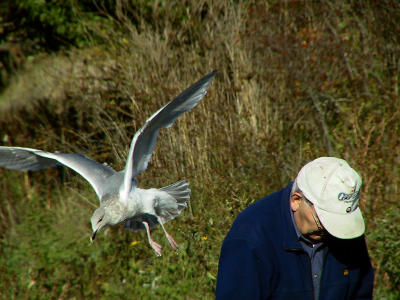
171, 206
169, 203
179, 190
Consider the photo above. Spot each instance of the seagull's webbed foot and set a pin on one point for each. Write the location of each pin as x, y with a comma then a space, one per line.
156, 247
172, 241
169, 237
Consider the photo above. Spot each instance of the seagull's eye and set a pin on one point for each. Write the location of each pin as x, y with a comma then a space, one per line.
101, 219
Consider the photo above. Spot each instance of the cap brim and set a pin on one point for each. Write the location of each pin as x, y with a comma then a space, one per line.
346, 226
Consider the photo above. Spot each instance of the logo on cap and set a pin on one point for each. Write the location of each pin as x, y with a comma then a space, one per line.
352, 198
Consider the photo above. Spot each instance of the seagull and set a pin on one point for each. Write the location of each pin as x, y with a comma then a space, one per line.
121, 200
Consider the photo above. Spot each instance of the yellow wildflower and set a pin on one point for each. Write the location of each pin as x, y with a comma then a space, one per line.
134, 243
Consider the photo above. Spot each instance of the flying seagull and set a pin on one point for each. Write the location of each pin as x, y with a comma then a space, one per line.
121, 200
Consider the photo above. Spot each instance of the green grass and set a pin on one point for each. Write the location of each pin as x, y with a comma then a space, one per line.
296, 81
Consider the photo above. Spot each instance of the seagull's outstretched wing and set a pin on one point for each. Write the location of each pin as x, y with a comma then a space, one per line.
27, 159
145, 139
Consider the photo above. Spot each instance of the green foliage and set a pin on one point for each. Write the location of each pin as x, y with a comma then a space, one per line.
384, 249
49, 251
28, 27
49, 25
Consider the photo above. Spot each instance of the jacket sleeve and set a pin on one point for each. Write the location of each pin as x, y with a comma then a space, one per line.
241, 274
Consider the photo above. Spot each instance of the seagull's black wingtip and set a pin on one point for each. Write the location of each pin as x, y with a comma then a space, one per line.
213, 73
209, 76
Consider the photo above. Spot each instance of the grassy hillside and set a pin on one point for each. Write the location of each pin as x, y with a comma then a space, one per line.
296, 80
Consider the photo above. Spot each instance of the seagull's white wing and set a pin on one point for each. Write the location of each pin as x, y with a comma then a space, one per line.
27, 159
145, 139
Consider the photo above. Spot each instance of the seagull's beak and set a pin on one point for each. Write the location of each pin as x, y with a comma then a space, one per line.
93, 236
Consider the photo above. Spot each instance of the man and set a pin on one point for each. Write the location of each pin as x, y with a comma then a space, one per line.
303, 242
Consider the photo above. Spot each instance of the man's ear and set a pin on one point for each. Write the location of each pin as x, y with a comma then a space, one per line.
295, 200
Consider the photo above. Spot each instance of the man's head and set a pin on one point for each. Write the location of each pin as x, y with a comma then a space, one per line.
325, 195
305, 217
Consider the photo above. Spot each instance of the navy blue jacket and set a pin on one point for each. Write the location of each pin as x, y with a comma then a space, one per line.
262, 258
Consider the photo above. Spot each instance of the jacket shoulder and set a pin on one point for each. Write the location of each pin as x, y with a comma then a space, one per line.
258, 221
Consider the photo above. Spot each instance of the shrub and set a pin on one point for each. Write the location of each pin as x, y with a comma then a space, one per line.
384, 244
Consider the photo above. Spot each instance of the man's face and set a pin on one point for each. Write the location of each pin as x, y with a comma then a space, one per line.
306, 218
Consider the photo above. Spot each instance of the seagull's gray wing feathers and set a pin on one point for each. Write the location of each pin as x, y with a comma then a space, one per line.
27, 159
24, 159
144, 140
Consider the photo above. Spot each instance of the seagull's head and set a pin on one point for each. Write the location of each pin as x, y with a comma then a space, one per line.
99, 220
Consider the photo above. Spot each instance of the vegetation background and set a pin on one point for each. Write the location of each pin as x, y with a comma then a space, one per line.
297, 80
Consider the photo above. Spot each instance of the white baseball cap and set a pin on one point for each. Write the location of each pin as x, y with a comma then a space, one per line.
334, 189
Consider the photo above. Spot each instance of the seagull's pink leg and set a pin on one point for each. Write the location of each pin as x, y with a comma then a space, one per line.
153, 244
170, 239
